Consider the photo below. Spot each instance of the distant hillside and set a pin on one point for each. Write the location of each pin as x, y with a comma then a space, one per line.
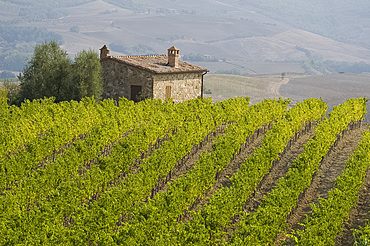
223, 37
227, 30
293, 45
345, 20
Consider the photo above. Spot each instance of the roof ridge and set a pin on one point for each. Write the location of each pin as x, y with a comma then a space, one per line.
157, 64
141, 56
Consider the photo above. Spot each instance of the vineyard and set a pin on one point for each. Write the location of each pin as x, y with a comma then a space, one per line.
194, 173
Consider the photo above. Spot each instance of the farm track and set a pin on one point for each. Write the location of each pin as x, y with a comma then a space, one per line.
277, 171
323, 180
358, 215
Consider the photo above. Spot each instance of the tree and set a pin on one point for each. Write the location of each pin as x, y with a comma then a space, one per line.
12, 89
50, 73
47, 73
87, 75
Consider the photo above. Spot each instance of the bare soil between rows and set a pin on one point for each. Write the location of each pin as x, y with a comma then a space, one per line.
277, 171
323, 181
358, 215
223, 179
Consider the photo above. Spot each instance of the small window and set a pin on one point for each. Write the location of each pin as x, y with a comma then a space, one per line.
168, 92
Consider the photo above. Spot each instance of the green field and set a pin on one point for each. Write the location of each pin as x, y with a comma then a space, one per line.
193, 173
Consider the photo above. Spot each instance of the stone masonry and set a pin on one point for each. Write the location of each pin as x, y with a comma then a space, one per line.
184, 86
118, 79
159, 77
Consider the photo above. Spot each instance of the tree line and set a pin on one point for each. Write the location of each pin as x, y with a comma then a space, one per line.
51, 73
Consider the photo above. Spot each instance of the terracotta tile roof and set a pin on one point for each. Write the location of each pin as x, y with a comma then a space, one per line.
157, 64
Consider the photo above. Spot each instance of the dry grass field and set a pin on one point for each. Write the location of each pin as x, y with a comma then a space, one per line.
333, 89
256, 88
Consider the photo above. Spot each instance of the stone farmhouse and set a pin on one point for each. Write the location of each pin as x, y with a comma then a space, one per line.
151, 76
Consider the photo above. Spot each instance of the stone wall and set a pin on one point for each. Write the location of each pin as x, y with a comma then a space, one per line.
118, 78
184, 86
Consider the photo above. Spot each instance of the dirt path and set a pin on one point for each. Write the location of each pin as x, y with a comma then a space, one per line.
274, 87
323, 180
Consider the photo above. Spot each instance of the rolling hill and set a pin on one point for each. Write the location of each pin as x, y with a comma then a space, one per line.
229, 30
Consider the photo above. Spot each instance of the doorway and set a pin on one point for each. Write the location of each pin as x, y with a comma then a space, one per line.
136, 92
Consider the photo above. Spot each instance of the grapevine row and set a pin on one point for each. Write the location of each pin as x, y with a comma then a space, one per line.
262, 226
208, 224
161, 213
362, 235
327, 218
92, 219
43, 118
34, 195
22, 124
69, 121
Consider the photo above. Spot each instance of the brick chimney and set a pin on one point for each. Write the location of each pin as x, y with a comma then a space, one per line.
104, 52
173, 56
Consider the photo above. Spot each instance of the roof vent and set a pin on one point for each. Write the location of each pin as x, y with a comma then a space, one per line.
173, 57
104, 52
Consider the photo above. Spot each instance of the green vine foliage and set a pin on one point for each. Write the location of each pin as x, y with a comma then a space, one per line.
262, 226
327, 217
86, 172
208, 224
